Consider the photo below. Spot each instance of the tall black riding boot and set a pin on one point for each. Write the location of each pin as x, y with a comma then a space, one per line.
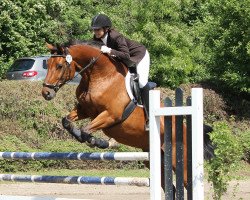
145, 101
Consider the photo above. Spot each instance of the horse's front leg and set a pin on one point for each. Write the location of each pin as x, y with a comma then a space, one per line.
84, 135
102, 121
67, 122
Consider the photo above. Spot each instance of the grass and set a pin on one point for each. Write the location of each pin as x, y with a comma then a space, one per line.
94, 172
242, 174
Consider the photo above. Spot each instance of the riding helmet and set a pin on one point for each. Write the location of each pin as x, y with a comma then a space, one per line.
100, 21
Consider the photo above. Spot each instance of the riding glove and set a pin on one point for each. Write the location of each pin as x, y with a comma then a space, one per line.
105, 49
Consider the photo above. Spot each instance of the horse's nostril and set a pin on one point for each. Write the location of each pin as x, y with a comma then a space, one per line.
48, 93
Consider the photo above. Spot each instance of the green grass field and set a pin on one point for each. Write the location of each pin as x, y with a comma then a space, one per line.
94, 172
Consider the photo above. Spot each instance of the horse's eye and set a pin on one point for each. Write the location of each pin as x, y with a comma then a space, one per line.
59, 66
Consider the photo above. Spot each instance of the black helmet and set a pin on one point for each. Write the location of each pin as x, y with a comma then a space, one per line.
100, 21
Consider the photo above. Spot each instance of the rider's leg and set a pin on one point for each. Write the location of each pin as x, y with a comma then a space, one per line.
145, 98
143, 72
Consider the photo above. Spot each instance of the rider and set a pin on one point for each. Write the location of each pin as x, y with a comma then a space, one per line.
131, 53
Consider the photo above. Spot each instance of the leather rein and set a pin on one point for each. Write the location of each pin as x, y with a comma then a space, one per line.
68, 60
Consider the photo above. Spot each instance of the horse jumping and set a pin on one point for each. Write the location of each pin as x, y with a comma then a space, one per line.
102, 97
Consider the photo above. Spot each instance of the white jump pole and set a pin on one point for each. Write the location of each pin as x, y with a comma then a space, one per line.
197, 144
155, 143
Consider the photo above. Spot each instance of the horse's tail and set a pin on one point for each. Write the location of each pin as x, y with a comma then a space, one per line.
208, 146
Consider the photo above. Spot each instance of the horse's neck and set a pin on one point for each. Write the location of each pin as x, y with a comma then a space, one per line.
106, 76
103, 67
82, 54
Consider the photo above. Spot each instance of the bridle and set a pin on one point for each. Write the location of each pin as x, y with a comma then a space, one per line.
68, 60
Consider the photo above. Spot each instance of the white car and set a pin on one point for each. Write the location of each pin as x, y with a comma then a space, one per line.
31, 68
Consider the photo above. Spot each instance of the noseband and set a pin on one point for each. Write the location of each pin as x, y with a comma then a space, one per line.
68, 60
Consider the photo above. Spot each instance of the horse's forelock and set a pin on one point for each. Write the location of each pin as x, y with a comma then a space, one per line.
53, 51
60, 49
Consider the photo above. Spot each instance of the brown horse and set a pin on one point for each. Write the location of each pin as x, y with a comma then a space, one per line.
101, 96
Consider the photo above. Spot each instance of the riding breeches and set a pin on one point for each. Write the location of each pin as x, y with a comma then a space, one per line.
143, 70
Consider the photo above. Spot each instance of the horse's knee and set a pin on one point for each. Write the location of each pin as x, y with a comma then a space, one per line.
93, 141
85, 135
66, 123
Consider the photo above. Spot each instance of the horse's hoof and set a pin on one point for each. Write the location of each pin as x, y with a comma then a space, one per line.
113, 144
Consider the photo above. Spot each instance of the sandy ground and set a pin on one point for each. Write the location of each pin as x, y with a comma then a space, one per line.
101, 192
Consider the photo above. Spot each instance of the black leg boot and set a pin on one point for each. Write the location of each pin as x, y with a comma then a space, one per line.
145, 101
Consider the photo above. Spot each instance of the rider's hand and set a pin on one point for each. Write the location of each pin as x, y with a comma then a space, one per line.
105, 49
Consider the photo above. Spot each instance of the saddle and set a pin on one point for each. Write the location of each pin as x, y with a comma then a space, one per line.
140, 95
134, 85
136, 90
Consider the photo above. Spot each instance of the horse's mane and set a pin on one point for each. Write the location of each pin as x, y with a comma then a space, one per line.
94, 43
60, 48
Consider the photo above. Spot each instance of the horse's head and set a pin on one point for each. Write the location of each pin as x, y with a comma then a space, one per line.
61, 68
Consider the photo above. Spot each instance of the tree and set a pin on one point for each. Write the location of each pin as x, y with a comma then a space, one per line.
226, 33
188, 41
25, 26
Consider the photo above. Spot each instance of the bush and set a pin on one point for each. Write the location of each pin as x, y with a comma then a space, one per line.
226, 43
228, 154
244, 139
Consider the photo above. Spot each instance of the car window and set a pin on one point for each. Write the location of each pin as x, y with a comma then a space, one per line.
21, 65
45, 64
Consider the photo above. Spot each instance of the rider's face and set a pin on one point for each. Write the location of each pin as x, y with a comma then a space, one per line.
99, 33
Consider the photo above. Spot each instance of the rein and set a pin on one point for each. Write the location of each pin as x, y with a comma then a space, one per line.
68, 57
92, 62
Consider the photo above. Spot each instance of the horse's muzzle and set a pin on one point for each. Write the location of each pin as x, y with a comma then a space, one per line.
48, 93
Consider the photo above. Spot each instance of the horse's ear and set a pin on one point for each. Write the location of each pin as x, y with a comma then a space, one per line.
52, 48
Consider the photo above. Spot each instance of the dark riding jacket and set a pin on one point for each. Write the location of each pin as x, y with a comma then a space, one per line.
126, 50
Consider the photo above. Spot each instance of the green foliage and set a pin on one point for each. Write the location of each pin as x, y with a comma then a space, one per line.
174, 54
228, 153
244, 138
226, 40
156, 24
188, 41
